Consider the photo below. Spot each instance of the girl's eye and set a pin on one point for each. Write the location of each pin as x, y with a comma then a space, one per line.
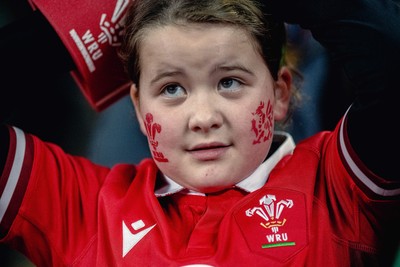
173, 91
229, 84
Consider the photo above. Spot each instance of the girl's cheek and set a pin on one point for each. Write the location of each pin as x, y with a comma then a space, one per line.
153, 129
262, 123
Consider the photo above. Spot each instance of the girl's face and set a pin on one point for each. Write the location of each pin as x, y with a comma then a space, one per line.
207, 103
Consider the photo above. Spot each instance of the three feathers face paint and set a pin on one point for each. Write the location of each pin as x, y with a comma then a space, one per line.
152, 129
262, 123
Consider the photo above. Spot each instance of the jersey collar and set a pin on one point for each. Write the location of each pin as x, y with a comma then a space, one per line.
253, 182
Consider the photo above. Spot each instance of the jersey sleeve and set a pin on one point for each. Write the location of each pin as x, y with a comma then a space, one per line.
371, 184
363, 207
91, 31
48, 200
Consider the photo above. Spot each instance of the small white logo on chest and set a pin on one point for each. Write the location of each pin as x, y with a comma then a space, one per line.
129, 240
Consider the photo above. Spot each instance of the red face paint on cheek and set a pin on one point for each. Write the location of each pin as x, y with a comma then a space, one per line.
262, 123
152, 130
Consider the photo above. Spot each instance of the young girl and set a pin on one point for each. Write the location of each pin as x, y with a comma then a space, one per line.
223, 188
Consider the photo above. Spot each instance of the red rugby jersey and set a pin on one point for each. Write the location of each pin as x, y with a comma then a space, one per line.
319, 207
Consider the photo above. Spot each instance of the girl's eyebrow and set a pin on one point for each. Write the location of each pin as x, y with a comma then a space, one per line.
233, 68
164, 74
217, 68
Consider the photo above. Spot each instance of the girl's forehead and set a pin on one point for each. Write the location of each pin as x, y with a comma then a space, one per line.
199, 51
195, 41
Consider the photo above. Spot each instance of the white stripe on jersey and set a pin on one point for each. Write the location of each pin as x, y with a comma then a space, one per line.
360, 174
14, 173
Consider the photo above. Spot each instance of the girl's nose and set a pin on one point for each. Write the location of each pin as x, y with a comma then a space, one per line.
205, 115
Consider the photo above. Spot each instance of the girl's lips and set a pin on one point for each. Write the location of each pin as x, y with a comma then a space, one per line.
207, 152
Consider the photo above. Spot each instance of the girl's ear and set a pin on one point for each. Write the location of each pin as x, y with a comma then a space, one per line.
134, 94
283, 87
